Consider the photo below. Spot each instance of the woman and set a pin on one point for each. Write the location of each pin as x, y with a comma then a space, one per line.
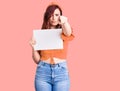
52, 73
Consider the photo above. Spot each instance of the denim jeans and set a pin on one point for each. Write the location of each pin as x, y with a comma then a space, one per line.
52, 77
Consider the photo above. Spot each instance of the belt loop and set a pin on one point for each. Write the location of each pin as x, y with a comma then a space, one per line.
44, 64
58, 65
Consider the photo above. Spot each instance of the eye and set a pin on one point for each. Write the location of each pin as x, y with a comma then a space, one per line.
56, 14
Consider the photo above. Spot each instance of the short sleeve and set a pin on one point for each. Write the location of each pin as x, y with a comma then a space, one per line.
67, 38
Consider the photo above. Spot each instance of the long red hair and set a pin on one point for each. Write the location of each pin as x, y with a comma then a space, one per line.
48, 13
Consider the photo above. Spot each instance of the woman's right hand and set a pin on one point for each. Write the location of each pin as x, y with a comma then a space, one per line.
32, 42
35, 53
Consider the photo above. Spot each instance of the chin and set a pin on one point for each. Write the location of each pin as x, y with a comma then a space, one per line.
54, 24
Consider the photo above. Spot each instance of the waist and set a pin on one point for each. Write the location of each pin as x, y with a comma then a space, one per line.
56, 60
63, 64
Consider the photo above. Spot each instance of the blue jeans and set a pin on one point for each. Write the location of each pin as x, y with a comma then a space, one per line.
52, 77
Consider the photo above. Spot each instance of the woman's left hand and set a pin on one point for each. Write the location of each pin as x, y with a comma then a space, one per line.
63, 20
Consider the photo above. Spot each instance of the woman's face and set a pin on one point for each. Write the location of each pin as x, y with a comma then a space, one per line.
54, 19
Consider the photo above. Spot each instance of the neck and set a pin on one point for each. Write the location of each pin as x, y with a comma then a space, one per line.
52, 27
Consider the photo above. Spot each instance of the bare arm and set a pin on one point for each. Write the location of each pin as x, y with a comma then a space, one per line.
65, 26
66, 29
35, 53
35, 56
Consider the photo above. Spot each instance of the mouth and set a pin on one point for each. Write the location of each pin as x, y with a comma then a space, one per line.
53, 21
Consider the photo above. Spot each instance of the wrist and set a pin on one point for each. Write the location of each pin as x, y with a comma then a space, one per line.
64, 23
34, 49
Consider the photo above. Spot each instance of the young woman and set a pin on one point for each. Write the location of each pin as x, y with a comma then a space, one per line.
52, 73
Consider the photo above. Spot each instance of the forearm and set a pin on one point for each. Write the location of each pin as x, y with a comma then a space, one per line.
65, 25
66, 29
35, 56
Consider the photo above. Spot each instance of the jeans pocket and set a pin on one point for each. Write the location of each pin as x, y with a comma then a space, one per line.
64, 69
39, 64
64, 66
